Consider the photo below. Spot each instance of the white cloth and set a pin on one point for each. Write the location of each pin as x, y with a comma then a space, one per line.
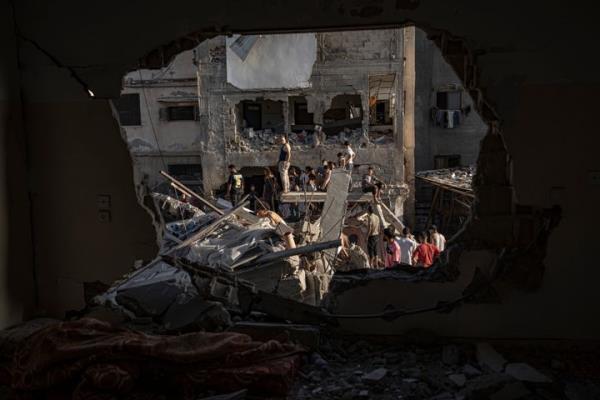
439, 241
407, 248
350, 154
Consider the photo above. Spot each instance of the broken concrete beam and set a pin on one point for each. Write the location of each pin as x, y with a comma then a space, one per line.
375, 375
334, 209
395, 221
191, 193
307, 335
311, 248
279, 307
319, 197
209, 229
525, 372
488, 357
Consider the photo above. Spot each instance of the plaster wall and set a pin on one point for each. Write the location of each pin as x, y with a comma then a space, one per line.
541, 80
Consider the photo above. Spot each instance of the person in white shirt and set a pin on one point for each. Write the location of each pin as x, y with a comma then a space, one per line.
437, 239
407, 246
349, 156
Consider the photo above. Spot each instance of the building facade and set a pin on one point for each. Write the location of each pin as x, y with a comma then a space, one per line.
226, 101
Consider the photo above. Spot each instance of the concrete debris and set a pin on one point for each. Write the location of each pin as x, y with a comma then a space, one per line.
458, 379
450, 355
511, 391
489, 358
525, 372
375, 376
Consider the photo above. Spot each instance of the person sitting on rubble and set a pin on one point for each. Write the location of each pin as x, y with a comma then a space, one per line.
372, 184
436, 238
270, 189
235, 185
425, 253
392, 249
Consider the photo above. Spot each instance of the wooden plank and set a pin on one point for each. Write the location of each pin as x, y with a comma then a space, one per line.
190, 192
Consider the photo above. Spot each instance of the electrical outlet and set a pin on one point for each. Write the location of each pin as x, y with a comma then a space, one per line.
104, 216
594, 178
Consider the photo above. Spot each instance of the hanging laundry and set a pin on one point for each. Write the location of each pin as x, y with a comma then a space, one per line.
456, 118
449, 119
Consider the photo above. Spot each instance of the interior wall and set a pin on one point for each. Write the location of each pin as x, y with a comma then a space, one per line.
77, 149
17, 297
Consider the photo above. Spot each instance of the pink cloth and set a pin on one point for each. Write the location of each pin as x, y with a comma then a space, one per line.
392, 254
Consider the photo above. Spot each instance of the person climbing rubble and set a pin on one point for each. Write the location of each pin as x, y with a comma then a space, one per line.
285, 155
235, 185
270, 189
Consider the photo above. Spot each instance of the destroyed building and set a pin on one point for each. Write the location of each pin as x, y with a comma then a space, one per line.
226, 101
511, 313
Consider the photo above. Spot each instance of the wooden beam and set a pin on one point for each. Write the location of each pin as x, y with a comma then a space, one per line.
190, 192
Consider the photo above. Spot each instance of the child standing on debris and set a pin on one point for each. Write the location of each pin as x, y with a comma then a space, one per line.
392, 250
235, 185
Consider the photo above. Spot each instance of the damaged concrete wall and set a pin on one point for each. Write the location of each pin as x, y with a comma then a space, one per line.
530, 73
17, 293
274, 61
435, 74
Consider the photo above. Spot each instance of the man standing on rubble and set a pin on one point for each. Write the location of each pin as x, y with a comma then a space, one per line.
425, 253
407, 246
349, 156
235, 185
437, 239
372, 222
285, 155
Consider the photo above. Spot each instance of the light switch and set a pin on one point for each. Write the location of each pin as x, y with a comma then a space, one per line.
103, 202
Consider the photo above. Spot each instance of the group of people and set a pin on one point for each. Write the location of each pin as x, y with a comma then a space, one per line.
293, 179
419, 251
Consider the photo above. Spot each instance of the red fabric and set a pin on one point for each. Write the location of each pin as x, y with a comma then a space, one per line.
392, 254
97, 359
425, 254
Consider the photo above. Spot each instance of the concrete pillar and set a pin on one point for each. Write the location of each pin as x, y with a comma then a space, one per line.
408, 121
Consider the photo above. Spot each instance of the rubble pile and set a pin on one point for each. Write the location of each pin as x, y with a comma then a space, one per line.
351, 369
261, 140
195, 285
460, 177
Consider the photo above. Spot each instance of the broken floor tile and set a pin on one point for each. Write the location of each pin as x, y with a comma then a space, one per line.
525, 372
488, 357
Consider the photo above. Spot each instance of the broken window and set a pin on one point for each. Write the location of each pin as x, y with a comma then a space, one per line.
302, 118
382, 106
128, 107
179, 113
263, 115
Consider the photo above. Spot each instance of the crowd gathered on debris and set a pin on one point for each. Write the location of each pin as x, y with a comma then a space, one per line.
419, 250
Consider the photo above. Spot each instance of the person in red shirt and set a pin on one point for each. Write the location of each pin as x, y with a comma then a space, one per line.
425, 253
392, 249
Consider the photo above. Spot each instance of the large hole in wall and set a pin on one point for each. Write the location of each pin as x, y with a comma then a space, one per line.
414, 124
